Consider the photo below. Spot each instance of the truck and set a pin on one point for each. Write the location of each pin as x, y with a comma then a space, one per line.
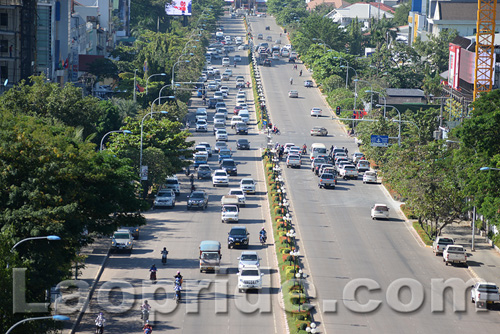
210, 255
230, 212
483, 293
455, 254
440, 244
348, 172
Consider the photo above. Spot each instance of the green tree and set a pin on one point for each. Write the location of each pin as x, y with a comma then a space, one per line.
436, 50
401, 14
103, 68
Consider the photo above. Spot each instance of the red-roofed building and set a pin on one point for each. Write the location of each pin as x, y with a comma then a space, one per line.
311, 5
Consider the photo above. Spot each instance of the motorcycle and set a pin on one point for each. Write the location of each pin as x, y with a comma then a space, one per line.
263, 239
145, 316
99, 328
152, 276
164, 258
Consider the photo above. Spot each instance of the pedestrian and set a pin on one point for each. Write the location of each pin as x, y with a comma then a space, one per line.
300, 73
346, 151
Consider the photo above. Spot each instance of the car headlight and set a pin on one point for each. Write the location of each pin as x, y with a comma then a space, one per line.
129, 243
230, 239
113, 243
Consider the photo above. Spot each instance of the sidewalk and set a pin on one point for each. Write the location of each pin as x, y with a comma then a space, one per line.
484, 262
97, 254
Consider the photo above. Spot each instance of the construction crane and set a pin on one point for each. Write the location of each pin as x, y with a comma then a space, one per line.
485, 47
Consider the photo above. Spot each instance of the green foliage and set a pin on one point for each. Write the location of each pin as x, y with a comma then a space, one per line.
401, 14
103, 68
436, 49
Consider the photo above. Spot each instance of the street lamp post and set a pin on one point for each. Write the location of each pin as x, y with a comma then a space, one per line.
142, 132
159, 99
48, 237
116, 131
371, 95
399, 128
53, 317
347, 70
152, 75
382, 95
173, 70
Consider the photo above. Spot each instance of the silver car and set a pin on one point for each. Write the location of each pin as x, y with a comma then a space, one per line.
165, 197
248, 258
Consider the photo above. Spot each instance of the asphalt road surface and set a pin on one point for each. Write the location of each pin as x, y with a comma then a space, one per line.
342, 247
211, 302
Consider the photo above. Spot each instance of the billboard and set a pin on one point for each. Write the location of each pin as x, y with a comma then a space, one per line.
178, 7
454, 65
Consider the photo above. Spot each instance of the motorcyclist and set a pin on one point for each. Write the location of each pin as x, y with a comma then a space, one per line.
304, 149
164, 254
291, 81
178, 289
153, 271
300, 73
145, 308
148, 329
100, 321
263, 234
178, 278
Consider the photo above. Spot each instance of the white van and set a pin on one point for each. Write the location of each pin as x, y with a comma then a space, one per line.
225, 62
317, 149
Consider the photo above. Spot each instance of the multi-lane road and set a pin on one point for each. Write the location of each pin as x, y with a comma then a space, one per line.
340, 245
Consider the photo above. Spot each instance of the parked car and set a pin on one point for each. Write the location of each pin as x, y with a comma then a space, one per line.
319, 131
247, 185
455, 254
370, 177
197, 199
238, 237
308, 83
204, 172
440, 244
293, 94
380, 211
242, 143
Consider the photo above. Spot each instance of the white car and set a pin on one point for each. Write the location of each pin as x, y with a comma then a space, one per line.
237, 58
240, 100
380, 211
316, 112
287, 147
293, 94
220, 178
240, 194
220, 118
245, 115
249, 277
247, 185
201, 125
165, 197
221, 134
370, 177
248, 258
235, 120
225, 62
201, 113
243, 105
241, 95
224, 90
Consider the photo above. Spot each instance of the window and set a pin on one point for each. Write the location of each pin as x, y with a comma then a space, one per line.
4, 45
4, 73
4, 19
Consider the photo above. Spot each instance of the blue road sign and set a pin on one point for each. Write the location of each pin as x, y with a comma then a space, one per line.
380, 141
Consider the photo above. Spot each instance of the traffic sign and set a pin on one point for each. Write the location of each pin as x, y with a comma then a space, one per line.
380, 141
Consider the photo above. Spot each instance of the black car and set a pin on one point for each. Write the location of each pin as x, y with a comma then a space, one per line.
211, 103
267, 62
134, 230
238, 237
229, 166
241, 128
243, 144
197, 199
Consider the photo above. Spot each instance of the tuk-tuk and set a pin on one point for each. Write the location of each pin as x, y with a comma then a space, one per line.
210, 255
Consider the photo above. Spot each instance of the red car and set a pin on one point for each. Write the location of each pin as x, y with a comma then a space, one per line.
237, 110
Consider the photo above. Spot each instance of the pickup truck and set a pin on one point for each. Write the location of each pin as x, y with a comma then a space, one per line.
440, 244
230, 213
455, 254
348, 172
293, 160
484, 293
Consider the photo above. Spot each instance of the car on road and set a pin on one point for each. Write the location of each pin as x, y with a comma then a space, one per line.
293, 94
224, 153
221, 134
319, 131
237, 58
308, 83
200, 159
122, 240
316, 112
207, 145
348, 171
201, 125
164, 197
267, 63
238, 237
202, 149
220, 118
370, 177
229, 165
455, 254
225, 62
242, 143
249, 278
245, 115
234, 120
327, 180
219, 145
293, 160
439, 245
241, 128
356, 156
317, 162
218, 126
380, 211
173, 183
201, 113
248, 185
204, 172
220, 178
260, 36
197, 199
484, 292
248, 258
363, 166
240, 194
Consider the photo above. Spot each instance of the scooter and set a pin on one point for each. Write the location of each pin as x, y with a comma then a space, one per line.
263, 239
145, 316
177, 296
164, 259
152, 276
